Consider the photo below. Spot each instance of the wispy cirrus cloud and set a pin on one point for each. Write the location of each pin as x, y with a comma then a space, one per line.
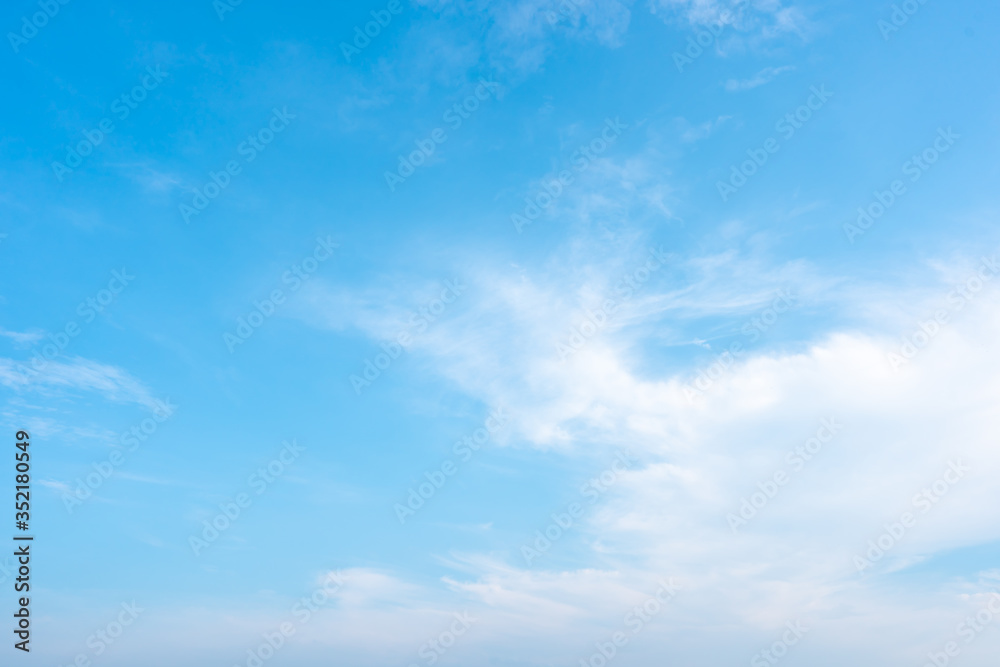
762, 77
22, 338
765, 19
690, 132
76, 374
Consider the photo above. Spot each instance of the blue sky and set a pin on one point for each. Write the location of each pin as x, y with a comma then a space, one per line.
560, 301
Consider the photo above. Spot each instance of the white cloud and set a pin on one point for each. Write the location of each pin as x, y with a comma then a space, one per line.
794, 560
75, 373
22, 338
756, 19
762, 77
668, 516
691, 133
